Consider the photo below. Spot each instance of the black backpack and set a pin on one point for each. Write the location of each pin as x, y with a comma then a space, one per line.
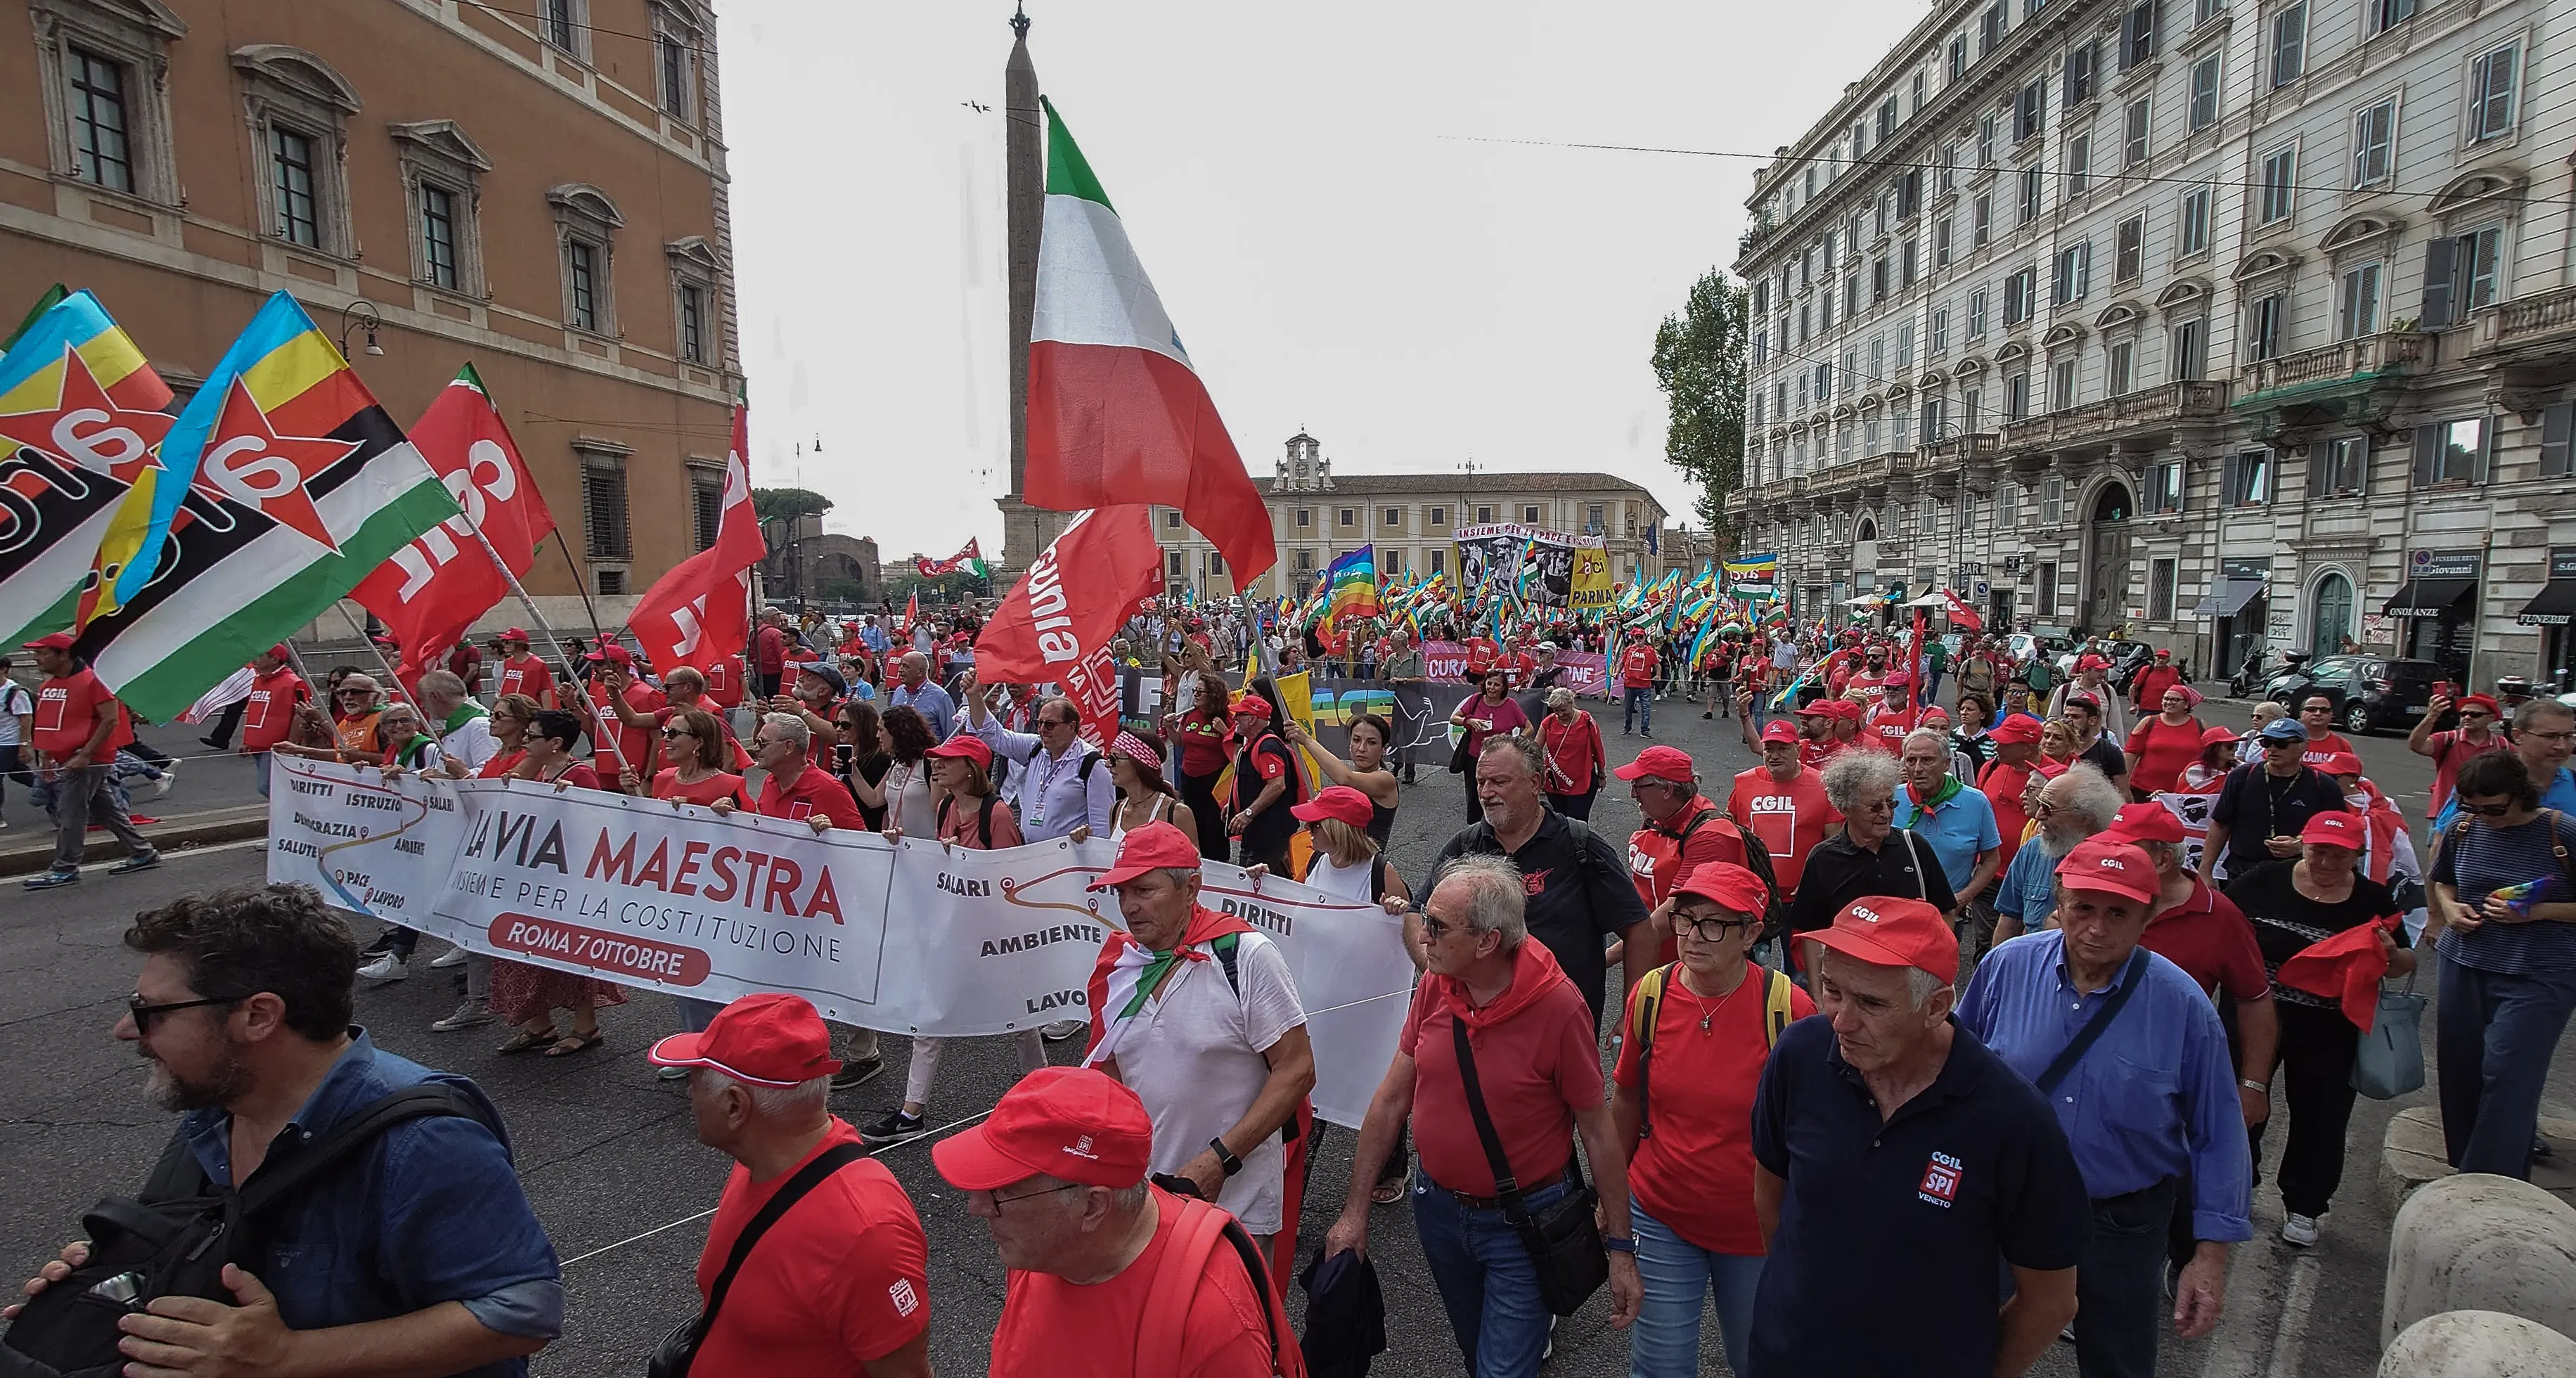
176, 1236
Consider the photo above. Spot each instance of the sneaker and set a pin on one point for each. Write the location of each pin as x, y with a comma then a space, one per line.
217, 745
385, 968
1063, 1029
132, 864
51, 879
471, 1014
895, 1128
2299, 1231
169, 776
856, 1072
452, 957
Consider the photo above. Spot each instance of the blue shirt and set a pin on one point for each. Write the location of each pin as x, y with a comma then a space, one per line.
2154, 1098
874, 638
1915, 1215
430, 1212
932, 702
2029, 888
2561, 795
1050, 794
1957, 829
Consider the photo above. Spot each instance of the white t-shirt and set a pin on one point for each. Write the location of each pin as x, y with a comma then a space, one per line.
1355, 883
14, 700
908, 789
1194, 1058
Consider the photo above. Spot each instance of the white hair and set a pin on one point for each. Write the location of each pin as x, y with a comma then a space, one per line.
789, 726
1854, 775
443, 682
1940, 740
1919, 984
1497, 900
802, 1101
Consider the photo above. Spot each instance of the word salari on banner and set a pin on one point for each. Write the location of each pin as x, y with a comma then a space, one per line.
676, 899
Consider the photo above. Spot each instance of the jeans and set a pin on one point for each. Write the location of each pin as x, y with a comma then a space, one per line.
1639, 710
1931, 688
1487, 1282
2493, 1044
259, 770
2317, 1049
2120, 1285
79, 795
1761, 712
1677, 1273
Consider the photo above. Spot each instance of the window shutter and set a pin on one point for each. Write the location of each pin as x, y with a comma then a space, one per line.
2438, 257
2486, 451
2428, 452
2557, 426
2319, 452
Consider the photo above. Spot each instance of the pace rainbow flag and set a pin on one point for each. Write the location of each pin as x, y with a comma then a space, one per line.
282, 484
80, 416
1351, 584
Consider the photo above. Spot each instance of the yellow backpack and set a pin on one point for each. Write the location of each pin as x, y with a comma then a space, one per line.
1650, 999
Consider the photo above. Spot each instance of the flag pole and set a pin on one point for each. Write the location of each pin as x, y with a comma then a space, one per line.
391, 675
572, 676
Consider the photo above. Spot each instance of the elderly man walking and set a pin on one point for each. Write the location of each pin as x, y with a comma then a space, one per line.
1872, 856
915, 691
1196, 1011
2130, 1054
2076, 805
1900, 1169
1496, 1070
1951, 817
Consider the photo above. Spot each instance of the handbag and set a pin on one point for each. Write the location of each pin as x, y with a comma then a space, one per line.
1461, 760
1563, 1239
2390, 1060
679, 1349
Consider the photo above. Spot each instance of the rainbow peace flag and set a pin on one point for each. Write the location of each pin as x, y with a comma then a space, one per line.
80, 416
1351, 586
282, 485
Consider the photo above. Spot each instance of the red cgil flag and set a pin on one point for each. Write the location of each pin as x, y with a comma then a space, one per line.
1057, 623
430, 591
1960, 613
911, 613
699, 613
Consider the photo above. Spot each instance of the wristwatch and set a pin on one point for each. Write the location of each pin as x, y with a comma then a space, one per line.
2258, 1087
1619, 1244
1225, 1157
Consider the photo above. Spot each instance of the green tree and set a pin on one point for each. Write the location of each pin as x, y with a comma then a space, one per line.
1699, 363
788, 504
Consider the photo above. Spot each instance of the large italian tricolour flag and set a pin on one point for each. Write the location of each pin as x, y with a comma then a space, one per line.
1117, 414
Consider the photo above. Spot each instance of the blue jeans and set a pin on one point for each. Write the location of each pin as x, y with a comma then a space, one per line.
696, 1014
1677, 1273
1639, 712
1931, 688
2493, 1044
1486, 1279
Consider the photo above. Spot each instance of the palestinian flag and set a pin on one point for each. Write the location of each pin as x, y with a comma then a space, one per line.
1117, 414
282, 484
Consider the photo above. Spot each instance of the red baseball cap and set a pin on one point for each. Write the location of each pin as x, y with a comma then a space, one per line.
613, 653
1888, 932
2340, 763
511, 634
2107, 865
966, 745
2016, 728
2334, 830
1076, 1123
767, 1039
1727, 884
280, 652
2149, 822
59, 641
1779, 730
1251, 703
1820, 708
1339, 801
2091, 662
2215, 735
2087, 700
1896, 679
1153, 847
1660, 763
2163, 653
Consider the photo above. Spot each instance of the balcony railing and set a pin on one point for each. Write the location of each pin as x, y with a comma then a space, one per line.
2361, 358
2539, 319
2116, 416
1957, 449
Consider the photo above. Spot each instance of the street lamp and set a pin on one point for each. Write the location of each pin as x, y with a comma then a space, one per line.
361, 315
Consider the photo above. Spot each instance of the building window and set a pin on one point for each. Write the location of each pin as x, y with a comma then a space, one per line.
675, 40
1529, 516
2204, 93
1349, 516
2138, 34
2128, 249
2388, 14
2249, 478
101, 154
1958, 57
2079, 75
603, 512
2133, 135
1977, 314
2451, 451
2203, 11
2190, 355
2079, 163
2161, 577
610, 583
2121, 370
2033, 194
2374, 135
2358, 312
1986, 141
2029, 110
1940, 341
438, 235
2021, 296
290, 164
2342, 467
2289, 44
1990, 28
1305, 517
1941, 242
1172, 519
2164, 486
1484, 516
693, 323
1439, 558
1172, 565
1391, 518
2280, 181
2052, 499
2263, 326
1596, 516
1305, 560
1869, 441
2191, 228
2491, 93
1440, 516
2074, 272
1904, 348
2017, 397
2061, 385
581, 274
1981, 219
440, 171
706, 505
2007, 506
585, 221
2047, 589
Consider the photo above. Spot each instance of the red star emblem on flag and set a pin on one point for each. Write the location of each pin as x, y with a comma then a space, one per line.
85, 427
246, 462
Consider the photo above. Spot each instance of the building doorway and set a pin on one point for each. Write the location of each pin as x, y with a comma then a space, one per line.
2106, 559
2330, 615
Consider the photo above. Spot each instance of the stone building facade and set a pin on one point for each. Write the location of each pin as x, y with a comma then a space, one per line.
2234, 324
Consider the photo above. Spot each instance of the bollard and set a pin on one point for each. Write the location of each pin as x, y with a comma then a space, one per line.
2476, 1242
2478, 1344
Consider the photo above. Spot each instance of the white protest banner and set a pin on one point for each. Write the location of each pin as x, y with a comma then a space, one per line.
909, 936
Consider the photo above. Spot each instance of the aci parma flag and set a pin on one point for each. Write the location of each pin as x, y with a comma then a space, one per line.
1351, 585
1116, 412
80, 417
282, 485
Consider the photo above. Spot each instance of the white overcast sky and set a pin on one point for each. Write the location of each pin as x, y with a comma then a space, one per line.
1304, 185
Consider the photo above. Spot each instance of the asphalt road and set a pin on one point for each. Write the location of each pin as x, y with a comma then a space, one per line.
607, 1157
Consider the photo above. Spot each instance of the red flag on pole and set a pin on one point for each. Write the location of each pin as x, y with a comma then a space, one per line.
1057, 623
699, 613
1960, 613
430, 591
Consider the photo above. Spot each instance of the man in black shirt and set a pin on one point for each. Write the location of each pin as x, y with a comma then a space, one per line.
2084, 714
2262, 807
1871, 856
1580, 893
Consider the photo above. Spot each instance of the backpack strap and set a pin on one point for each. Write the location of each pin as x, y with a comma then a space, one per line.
1775, 1006
984, 820
423, 1100
1182, 1274
1641, 1036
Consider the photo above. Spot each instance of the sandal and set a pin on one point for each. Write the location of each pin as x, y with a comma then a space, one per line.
525, 1039
572, 1044
1388, 1192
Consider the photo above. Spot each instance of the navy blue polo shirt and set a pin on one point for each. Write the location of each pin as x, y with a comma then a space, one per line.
1891, 1237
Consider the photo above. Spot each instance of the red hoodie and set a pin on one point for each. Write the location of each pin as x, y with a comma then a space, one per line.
1536, 1062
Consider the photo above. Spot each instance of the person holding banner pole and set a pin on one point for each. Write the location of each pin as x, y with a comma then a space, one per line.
1202, 727
1366, 770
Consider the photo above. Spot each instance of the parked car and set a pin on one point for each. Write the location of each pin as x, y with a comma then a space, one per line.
2127, 659
2369, 692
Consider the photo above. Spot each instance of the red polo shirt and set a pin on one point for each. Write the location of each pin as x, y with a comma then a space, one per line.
817, 791
1536, 1061
268, 718
68, 709
2209, 937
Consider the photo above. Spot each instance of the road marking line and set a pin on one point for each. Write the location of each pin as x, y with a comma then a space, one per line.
2239, 1346
176, 853
2290, 1337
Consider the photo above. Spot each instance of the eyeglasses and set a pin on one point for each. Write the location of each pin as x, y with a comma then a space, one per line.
1434, 930
2326, 708
2486, 810
1711, 930
2552, 736
144, 1012
1887, 805
999, 1198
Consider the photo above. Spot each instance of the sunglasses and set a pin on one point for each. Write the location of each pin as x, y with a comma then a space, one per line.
144, 1012
673, 734
2486, 810
999, 1198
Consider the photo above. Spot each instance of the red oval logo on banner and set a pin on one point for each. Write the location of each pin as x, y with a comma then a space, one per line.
662, 963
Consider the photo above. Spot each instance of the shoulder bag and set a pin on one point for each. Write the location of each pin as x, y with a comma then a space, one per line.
679, 1349
2130, 978
2390, 1059
1563, 1239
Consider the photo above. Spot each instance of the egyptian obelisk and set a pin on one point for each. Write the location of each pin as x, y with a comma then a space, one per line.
1025, 529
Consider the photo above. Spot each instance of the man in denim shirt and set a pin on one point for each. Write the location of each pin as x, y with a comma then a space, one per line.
416, 1254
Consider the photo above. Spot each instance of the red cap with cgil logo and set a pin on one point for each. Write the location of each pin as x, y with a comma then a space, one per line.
2110, 867
1891, 933
1070, 1122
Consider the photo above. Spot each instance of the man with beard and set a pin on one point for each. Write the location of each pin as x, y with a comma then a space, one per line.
415, 1254
2073, 807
